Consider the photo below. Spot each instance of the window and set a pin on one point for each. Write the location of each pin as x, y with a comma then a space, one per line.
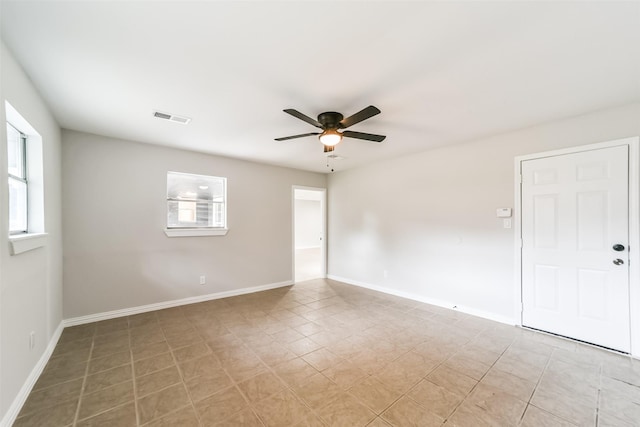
196, 205
25, 173
18, 184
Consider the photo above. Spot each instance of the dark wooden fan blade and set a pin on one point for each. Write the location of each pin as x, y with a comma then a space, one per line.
370, 111
361, 135
284, 138
297, 114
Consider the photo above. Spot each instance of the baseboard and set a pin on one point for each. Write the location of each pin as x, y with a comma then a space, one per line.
13, 411
168, 304
445, 304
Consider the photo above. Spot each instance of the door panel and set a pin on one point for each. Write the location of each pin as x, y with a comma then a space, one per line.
545, 215
574, 209
546, 287
592, 220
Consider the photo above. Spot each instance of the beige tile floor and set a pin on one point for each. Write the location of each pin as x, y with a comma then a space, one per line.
324, 353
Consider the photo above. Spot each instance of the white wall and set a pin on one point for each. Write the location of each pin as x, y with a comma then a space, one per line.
430, 219
116, 253
308, 223
31, 282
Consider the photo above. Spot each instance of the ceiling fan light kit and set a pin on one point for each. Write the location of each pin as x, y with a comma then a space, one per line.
330, 137
332, 123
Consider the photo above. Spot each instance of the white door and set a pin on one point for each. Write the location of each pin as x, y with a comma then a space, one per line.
575, 210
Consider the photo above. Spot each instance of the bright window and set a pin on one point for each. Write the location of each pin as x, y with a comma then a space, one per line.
18, 184
25, 174
196, 201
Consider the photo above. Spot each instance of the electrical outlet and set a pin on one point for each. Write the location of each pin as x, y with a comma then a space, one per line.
385, 273
203, 280
32, 340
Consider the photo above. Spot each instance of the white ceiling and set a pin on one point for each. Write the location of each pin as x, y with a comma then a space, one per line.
441, 72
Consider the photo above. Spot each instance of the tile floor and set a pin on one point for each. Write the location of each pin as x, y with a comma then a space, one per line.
324, 353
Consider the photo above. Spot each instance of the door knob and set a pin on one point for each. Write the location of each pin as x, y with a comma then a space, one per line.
618, 247
618, 261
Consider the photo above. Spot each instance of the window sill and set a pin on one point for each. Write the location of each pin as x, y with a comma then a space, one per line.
195, 232
26, 242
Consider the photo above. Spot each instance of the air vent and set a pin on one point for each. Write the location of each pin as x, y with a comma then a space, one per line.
171, 117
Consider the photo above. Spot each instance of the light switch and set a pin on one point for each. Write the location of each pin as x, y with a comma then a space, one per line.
506, 223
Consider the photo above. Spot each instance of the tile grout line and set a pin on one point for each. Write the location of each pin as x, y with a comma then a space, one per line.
84, 379
270, 369
538, 383
286, 385
184, 383
445, 420
182, 380
438, 365
133, 375
249, 403
369, 375
346, 391
103, 411
598, 397
403, 394
546, 365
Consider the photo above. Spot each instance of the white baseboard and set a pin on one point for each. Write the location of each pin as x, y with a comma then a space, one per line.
168, 304
427, 300
13, 411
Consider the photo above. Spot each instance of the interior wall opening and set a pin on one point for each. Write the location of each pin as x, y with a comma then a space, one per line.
309, 245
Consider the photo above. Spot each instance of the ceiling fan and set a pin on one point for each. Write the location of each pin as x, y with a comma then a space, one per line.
332, 125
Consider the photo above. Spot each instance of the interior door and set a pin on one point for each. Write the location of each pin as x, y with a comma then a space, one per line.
575, 233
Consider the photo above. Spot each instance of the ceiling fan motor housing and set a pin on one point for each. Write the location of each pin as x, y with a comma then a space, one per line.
330, 119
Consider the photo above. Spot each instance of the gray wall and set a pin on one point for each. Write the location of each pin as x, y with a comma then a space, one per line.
31, 282
430, 219
116, 253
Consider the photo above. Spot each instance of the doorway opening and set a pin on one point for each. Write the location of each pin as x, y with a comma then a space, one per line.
309, 230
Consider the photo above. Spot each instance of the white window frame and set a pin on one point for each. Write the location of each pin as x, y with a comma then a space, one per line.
23, 179
187, 231
35, 237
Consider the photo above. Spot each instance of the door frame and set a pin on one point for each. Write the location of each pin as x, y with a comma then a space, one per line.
634, 228
323, 245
